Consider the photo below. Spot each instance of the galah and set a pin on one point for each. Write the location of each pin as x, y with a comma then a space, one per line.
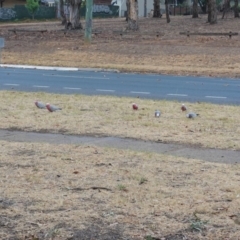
52, 108
183, 108
40, 105
135, 106
157, 113
192, 115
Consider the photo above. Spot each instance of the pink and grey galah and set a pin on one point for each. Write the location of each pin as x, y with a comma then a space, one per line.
135, 106
183, 108
52, 108
40, 105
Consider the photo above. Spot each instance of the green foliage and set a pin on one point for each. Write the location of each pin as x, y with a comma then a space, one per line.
142, 180
122, 188
32, 6
149, 237
197, 224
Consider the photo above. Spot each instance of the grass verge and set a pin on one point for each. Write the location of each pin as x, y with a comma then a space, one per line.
216, 127
79, 192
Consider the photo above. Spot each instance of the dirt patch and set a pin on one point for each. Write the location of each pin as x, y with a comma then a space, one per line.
169, 53
62, 192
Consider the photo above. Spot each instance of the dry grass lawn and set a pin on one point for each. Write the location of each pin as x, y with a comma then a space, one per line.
170, 53
82, 192
52, 191
217, 126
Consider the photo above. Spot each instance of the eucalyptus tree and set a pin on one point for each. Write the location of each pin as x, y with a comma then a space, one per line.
212, 11
62, 13
167, 11
195, 9
156, 9
132, 18
74, 13
236, 9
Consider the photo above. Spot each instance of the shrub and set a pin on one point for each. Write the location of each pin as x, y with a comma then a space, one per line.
32, 6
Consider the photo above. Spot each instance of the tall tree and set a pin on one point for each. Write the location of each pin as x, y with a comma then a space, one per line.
236, 10
74, 11
128, 9
167, 11
156, 9
62, 13
226, 7
133, 16
195, 9
212, 11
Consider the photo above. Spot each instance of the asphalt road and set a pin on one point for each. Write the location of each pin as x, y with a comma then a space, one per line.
153, 86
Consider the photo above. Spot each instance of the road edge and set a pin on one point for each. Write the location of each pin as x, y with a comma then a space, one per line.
52, 68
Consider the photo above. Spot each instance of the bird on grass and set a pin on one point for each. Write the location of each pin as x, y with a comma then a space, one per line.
135, 106
183, 108
52, 108
40, 105
157, 113
192, 115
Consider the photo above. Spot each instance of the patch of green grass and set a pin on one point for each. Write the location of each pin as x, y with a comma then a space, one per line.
121, 187
142, 180
197, 224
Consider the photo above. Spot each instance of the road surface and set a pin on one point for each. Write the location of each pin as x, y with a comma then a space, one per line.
152, 86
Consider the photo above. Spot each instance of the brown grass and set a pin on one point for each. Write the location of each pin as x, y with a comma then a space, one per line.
171, 53
46, 193
217, 126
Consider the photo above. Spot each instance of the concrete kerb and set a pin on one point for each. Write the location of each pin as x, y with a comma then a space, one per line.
57, 68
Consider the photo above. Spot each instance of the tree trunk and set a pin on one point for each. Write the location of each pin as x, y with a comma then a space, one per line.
128, 9
156, 9
62, 14
195, 9
212, 11
226, 6
167, 11
203, 6
74, 10
133, 16
236, 11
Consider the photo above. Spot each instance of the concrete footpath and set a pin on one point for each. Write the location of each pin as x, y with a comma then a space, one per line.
186, 151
